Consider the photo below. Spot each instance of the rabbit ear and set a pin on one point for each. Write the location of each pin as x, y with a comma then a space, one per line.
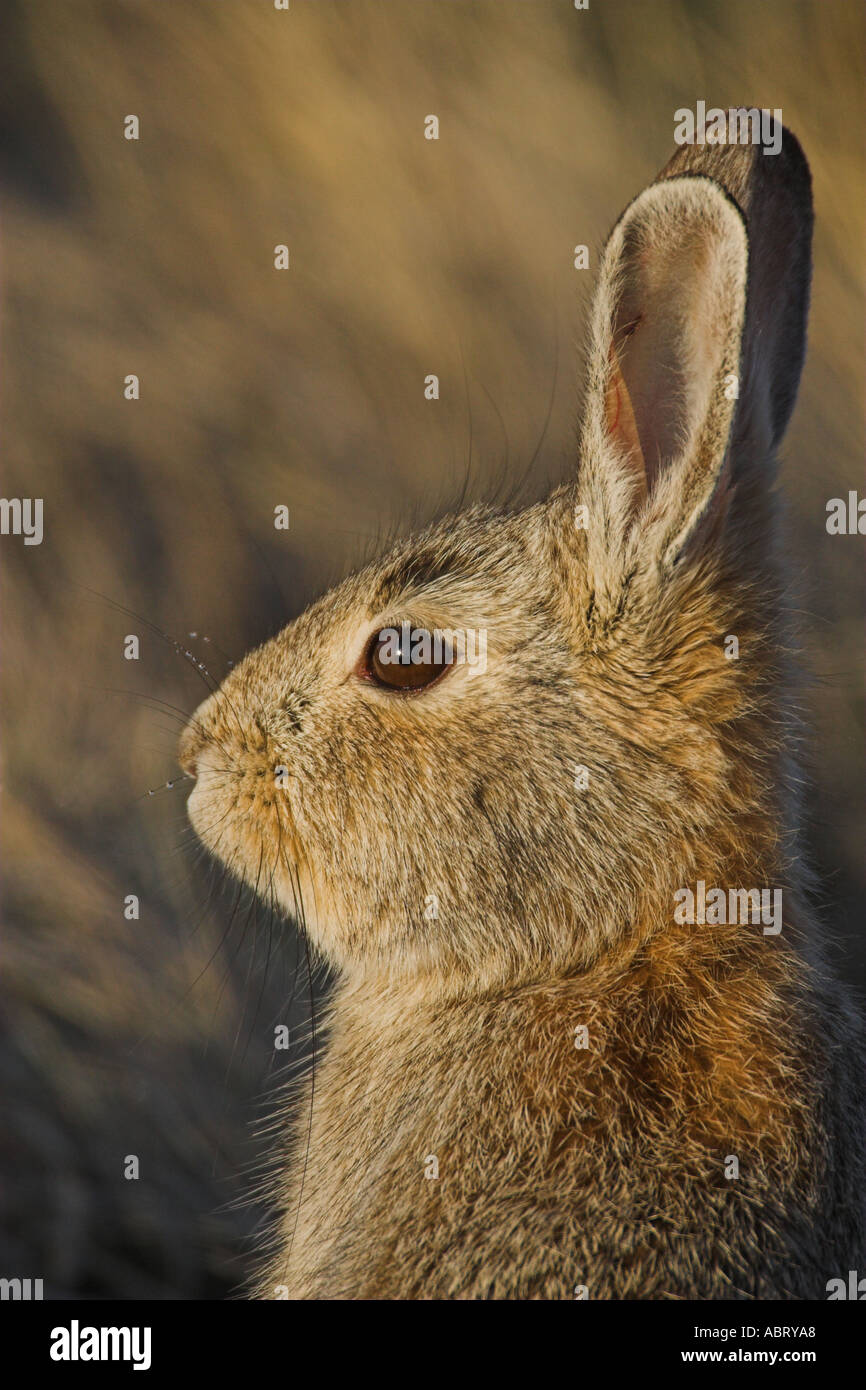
697, 340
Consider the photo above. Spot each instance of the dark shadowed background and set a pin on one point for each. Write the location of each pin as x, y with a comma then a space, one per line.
305, 388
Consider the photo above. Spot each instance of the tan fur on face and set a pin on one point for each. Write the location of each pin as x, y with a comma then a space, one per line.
453, 1036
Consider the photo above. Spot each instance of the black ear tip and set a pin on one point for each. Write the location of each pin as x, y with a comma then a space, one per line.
794, 169
793, 154
747, 170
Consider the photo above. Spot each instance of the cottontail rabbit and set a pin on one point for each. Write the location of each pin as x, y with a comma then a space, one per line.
539, 1080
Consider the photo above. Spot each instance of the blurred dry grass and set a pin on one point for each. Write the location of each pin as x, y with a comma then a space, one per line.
408, 257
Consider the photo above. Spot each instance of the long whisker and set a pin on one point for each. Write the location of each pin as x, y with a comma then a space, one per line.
467, 474
313, 1054
169, 710
254, 914
199, 666
272, 909
541, 438
166, 786
211, 683
200, 637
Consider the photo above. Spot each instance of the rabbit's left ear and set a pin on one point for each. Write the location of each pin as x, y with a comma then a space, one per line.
664, 369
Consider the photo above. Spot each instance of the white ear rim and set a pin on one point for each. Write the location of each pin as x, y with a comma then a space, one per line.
702, 204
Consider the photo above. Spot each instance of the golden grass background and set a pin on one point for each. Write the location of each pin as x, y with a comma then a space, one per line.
306, 388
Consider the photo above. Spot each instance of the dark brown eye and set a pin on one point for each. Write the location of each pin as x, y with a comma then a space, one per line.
406, 658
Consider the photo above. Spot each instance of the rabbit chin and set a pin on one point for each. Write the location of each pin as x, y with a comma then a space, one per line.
223, 811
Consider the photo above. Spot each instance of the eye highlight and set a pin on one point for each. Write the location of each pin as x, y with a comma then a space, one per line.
405, 659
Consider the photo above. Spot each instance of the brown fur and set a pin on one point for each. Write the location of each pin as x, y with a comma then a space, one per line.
562, 1167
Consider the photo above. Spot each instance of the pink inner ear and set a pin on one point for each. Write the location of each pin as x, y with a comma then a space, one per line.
621, 426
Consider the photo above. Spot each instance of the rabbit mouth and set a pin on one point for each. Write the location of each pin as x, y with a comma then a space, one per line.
231, 812
244, 820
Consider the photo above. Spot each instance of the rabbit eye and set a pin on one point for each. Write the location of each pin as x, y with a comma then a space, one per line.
406, 658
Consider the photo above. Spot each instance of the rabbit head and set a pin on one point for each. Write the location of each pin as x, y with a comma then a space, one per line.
514, 801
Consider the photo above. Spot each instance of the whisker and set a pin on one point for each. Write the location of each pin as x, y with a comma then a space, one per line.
547, 417
296, 889
170, 711
167, 786
252, 915
200, 637
210, 682
173, 642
